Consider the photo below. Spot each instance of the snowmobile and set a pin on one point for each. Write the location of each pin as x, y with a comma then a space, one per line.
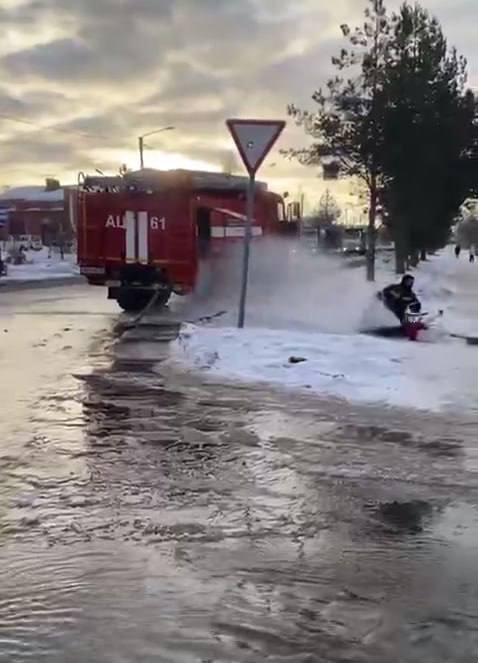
416, 322
415, 325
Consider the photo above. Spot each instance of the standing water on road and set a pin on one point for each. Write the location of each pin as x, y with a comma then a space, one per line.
149, 516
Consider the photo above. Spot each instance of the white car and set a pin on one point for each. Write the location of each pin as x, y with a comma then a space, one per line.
30, 242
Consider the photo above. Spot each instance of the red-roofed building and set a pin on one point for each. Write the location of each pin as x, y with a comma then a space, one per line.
40, 211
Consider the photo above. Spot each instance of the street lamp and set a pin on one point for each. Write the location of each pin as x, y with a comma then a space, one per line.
141, 142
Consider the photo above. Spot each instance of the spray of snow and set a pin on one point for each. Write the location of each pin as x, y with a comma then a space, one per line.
311, 306
288, 288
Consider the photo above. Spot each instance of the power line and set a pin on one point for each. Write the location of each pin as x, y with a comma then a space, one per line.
56, 130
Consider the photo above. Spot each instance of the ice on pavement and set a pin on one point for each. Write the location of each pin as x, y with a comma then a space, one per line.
353, 366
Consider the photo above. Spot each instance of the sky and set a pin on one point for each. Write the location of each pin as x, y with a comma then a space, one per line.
84, 78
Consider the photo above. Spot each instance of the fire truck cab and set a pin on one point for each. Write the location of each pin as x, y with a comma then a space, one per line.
144, 233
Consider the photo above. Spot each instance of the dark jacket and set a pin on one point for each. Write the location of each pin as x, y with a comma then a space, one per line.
398, 297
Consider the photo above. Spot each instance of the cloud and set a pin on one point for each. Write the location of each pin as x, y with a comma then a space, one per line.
114, 69
187, 81
61, 59
37, 150
110, 39
23, 110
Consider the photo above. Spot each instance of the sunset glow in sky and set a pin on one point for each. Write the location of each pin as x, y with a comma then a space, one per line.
84, 78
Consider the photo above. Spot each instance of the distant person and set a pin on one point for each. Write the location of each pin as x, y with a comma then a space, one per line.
398, 297
457, 251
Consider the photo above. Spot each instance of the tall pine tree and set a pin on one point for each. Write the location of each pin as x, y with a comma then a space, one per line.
347, 125
401, 122
427, 123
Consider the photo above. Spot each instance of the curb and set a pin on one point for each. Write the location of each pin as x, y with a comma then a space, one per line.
10, 286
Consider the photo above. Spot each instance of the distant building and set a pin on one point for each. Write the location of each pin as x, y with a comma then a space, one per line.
41, 211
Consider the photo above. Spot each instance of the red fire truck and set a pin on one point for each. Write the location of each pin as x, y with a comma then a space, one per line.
144, 232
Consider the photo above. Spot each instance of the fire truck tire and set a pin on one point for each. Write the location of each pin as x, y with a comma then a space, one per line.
131, 301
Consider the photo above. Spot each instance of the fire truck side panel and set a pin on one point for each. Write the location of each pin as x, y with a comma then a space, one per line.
141, 232
172, 238
265, 211
101, 235
151, 231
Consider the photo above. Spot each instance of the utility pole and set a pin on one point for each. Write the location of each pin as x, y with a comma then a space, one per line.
141, 151
141, 142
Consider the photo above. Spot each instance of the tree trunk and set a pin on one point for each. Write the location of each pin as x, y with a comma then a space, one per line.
401, 247
423, 254
414, 258
371, 231
400, 256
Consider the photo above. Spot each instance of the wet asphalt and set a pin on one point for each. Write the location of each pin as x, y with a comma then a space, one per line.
149, 515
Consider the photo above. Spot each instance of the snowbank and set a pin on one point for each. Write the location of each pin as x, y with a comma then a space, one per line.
40, 267
452, 285
354, 367
349, 365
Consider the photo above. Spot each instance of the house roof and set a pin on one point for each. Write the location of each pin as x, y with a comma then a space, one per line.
32, 193
155, 179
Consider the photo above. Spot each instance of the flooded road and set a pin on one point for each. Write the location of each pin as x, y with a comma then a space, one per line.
147, 516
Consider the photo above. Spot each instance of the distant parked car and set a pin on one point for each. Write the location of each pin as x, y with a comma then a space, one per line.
29, 242
353, 241
36, 244
384, 245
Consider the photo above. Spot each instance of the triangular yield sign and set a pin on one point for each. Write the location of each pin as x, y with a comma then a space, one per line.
254, 139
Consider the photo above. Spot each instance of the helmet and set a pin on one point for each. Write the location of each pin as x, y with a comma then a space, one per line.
408, 280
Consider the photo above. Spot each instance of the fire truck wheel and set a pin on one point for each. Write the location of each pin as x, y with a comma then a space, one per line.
133, 301
136, 301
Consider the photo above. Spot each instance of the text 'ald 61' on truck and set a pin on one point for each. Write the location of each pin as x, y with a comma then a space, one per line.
144, 233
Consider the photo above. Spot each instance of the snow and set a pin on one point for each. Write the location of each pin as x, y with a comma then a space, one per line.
40, 267
443, 282
356, 367
33, 193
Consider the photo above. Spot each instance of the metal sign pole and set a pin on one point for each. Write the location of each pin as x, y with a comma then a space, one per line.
247, 250
254, 139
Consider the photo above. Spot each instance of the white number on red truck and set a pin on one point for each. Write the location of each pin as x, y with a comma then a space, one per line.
158, 223
115, 221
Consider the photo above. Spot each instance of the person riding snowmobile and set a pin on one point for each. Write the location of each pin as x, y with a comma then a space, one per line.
399, 297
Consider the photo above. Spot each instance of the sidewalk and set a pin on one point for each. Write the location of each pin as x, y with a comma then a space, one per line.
452, 285
8, 285
41, 271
